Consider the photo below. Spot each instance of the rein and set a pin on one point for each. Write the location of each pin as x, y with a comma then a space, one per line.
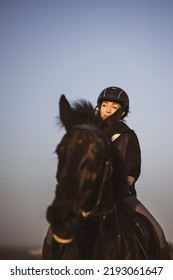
93, 211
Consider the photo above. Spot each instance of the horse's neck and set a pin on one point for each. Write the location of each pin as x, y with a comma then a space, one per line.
87, 236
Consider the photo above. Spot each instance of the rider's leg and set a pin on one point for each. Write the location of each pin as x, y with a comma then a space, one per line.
135, 205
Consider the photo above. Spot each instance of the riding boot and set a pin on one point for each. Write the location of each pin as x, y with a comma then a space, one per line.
165, 253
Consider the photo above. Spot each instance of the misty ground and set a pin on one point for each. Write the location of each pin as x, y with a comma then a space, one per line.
20, 253
33, 253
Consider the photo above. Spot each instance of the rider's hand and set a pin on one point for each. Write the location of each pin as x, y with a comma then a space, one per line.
130, 180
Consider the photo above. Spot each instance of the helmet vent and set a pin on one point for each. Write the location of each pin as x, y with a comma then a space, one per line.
104, 93
120, 94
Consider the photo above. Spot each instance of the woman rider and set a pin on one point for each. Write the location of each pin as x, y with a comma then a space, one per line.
126, 141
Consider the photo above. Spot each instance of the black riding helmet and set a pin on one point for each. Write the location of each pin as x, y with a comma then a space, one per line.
117, 95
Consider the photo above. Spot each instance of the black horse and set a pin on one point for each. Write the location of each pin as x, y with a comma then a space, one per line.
88, 217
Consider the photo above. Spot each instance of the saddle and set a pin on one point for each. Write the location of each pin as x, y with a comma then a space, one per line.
143, 231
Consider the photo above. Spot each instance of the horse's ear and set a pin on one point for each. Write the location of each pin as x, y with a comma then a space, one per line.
65, 112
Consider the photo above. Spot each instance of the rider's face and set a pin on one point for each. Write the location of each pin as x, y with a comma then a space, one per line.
108, 108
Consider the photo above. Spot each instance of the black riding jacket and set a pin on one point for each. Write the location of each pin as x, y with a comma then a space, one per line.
126, 141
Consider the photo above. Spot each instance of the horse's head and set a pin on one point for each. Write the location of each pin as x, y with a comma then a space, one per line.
83, 165
84, 168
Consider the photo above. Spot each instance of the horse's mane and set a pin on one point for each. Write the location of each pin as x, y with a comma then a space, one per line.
85, 112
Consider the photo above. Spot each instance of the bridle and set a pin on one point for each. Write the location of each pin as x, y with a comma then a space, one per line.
107, 171
94, 210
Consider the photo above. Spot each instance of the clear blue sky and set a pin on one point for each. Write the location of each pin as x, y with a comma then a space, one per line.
78, 48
